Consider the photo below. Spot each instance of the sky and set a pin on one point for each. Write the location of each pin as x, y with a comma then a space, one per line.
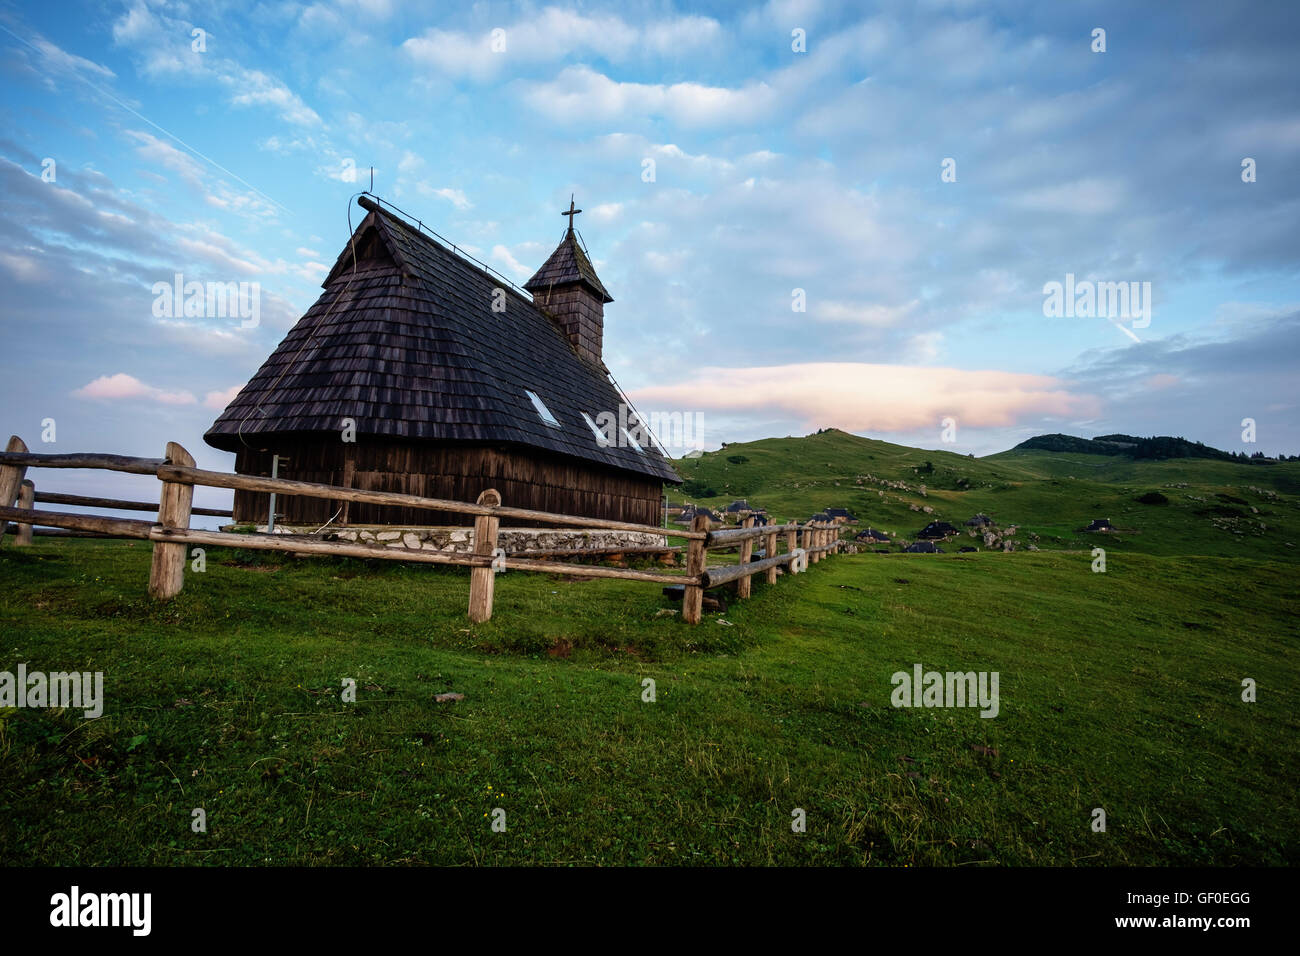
809, 214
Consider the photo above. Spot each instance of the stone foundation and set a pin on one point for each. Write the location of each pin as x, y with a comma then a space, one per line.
461, 540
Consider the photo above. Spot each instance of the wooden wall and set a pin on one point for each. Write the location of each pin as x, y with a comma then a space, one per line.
526, 478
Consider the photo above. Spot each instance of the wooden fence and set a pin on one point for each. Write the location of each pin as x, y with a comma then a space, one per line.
172, 535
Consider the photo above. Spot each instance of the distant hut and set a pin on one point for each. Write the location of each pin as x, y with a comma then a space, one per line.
871, 534
923, 547
419, 371
840, 515
936, 530
1100, 524
980, 521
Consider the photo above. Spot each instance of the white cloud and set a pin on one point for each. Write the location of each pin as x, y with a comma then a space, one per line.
503, 255
163, 45
167, 156
58, 59
255, 88
582, 94
871, 314
123, 387
453, 196
554, 34
606, 212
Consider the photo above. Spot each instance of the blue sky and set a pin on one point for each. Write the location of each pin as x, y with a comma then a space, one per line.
774, 170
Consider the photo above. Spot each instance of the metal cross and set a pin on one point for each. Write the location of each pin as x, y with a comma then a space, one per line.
571, 212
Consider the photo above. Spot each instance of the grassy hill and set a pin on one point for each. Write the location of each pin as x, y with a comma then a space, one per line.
1116, 692
1224, 508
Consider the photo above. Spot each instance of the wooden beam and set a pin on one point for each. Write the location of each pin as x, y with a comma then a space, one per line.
117, 504
648, 550
592, 571
26, 501
42, 532
134, 466
12, 474
167, 570
744, 584
713, 577
696, 555
730, 537
217, 479
482, 581
770, 547
112, 527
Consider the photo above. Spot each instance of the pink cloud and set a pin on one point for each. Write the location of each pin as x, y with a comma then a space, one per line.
122, 387
218, 401
864, 397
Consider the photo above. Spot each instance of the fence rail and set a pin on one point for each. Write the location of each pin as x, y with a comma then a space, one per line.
116, 504
172, 535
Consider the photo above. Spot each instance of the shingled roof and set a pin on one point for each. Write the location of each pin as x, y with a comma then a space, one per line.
408, 346
568, 263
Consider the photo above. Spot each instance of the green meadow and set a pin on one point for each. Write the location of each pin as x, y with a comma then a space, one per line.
1120, 691
1219, 508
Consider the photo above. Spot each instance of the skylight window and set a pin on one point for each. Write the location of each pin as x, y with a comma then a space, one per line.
542, 410
601, 438
632, 441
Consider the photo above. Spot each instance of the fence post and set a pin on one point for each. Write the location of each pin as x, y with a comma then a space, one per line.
816, 542
693, 597
769, 545
744, 585
482, 581
11, 478
27, 500
167, 572
791, 541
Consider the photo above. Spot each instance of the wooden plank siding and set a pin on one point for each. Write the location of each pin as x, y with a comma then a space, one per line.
526, 478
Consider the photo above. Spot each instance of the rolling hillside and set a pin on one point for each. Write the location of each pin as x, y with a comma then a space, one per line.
1223, 508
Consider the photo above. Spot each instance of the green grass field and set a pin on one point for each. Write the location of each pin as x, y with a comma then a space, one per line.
1119, 691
